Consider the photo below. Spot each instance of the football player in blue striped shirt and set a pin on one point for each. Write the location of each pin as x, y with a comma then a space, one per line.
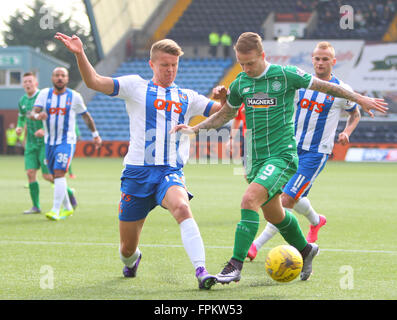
153, 173
57, 107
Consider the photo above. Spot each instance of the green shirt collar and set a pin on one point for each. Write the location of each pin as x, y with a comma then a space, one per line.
264, 72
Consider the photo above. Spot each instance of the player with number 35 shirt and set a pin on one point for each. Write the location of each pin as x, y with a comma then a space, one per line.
60, 133
57, 108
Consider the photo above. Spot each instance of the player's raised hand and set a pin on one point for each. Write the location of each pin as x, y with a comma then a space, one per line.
368, 104
73, 43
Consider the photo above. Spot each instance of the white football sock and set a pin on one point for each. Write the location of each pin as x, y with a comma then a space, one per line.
304, 207
269, 232
130, 261
59, 194
192, 242
66, 201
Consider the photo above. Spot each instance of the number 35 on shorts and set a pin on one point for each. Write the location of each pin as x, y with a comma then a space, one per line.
62, 159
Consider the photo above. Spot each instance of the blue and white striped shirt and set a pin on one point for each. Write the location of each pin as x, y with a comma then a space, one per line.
153, 111
60, 126
317, 116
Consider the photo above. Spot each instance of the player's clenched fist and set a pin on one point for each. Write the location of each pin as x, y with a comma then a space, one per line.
38, 116
220, 92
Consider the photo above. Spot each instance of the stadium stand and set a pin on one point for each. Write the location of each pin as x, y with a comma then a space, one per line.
372, 131
371, 20
234, 17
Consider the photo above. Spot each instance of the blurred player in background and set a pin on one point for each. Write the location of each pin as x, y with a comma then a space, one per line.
316, 120
268, 91
34, 148
70, 171
153, 165
12, 139
58, 106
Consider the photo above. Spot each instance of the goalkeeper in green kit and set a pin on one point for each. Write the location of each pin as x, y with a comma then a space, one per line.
35, 148
268, 92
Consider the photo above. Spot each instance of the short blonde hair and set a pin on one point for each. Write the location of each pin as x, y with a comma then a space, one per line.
249, 41
166, 45
325, 45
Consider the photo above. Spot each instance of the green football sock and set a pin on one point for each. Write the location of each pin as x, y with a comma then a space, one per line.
70, 191
290, 230
34, 190
245, 233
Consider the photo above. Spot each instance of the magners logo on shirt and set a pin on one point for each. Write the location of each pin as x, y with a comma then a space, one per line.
261, 100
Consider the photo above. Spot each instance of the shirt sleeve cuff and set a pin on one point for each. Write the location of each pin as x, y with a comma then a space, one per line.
310, 83
352, 108
116, 88
208, 109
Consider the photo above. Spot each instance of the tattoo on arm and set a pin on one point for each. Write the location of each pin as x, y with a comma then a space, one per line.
353, 120
89, 121
354, 115
218, 119
332, 89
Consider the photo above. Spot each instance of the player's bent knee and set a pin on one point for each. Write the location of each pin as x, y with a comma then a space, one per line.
181, 212
287, 201
249, 201
31, 173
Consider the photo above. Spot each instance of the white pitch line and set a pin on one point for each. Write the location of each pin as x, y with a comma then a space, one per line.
99, 244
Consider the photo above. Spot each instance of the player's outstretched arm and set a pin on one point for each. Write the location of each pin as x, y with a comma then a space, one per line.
90, 77
367, 103
217, 120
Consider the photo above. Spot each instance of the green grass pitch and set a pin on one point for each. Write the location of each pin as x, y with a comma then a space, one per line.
78, 258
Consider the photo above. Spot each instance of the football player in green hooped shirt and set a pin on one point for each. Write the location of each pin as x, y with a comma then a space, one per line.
35, 148
268, 91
